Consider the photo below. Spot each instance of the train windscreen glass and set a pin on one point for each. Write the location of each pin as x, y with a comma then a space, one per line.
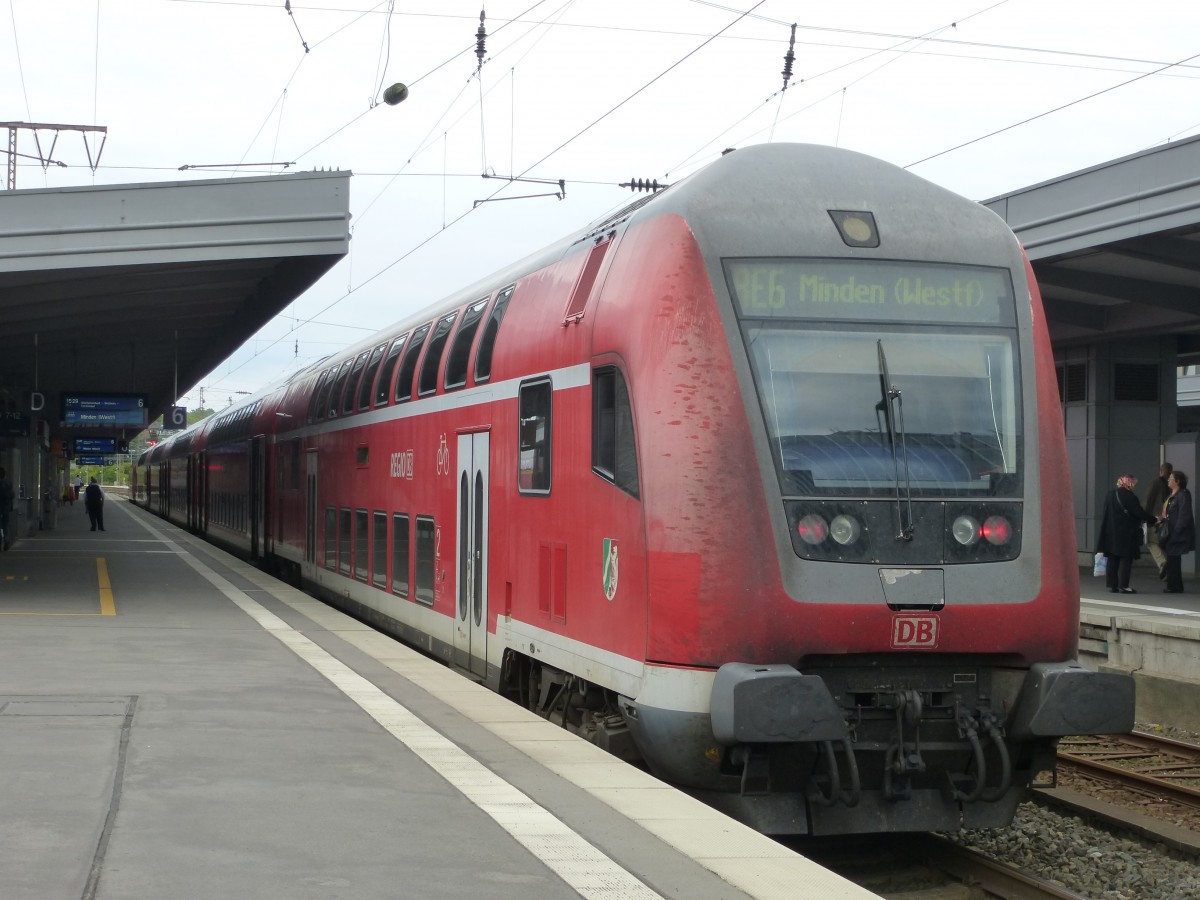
951, 380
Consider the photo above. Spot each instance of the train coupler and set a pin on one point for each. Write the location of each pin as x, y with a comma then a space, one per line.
756, 769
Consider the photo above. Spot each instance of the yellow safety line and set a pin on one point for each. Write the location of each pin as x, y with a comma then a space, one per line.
107, 608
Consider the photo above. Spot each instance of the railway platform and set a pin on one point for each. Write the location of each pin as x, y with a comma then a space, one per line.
1152, 635
176, 724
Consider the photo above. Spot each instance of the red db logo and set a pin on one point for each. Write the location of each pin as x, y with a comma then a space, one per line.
919, 632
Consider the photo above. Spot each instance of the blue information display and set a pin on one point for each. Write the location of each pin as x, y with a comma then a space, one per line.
94, 461
94, 446
123, 410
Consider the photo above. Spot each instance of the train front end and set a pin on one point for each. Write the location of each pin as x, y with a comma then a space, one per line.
888, 589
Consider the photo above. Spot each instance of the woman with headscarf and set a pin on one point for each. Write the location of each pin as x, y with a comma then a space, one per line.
1181, 531
1121, 533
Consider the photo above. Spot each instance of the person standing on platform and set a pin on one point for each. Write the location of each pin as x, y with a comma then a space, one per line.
1155, 501
78, 485
1121, 533
1181, 531
93, 501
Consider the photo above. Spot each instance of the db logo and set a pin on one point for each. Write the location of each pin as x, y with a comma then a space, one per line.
915, 631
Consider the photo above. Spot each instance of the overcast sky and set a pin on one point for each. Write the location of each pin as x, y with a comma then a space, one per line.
980, 97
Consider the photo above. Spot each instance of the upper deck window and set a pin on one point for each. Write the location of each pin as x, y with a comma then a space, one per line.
383, 389
460, 350
408, 368
433, 356
368, 378
487, 344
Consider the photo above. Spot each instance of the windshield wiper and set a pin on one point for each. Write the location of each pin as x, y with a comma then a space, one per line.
890, 402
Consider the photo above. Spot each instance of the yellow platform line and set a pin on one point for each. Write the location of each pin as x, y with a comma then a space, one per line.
107, 606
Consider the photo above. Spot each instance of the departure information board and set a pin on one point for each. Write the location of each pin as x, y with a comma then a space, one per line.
121, 410
90, 446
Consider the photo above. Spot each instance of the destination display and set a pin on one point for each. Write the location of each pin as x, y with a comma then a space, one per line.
93, 446
94, 461
124, 410
866, 289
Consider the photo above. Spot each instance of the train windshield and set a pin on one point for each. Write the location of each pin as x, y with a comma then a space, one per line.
856, 408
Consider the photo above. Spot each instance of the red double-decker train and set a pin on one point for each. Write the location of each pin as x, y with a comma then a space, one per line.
760, 480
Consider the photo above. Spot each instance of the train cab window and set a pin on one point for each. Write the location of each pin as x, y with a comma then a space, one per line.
427, 384
533, 473
343, 544
408, 368
379, 547
352, 383
487, 344
400, 555
383, 389
460, 350
339, 383
614, 452
368, 377
361, 543
426, 559
330, 537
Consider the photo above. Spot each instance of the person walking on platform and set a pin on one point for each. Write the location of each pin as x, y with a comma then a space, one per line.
78, 486
1155, 503
93, 501
1121, 533
1180, 537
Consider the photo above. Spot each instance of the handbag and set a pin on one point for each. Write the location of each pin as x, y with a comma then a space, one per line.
1101, 566
1164, 531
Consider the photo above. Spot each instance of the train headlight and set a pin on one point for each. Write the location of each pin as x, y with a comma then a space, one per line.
966, 530
844, 529
996, 530
812, 530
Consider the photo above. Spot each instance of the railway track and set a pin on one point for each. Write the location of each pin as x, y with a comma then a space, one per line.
927, 867
1167, 768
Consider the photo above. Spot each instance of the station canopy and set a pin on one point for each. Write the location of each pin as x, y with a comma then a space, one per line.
139, 290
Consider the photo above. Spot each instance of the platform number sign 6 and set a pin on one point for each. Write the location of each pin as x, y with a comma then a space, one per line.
175, 417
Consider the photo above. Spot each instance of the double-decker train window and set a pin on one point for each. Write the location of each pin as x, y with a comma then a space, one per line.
533, 462
383, 389
408, 368
352, 383
426, 559
460, 350
427, 384
487, 344
339, 383
344, 536
320, 395
330, 538
400, 555
379, 548
614, 451
361, 543
368, 377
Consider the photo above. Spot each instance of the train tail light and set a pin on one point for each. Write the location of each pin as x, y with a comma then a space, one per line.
812, 530
996, 530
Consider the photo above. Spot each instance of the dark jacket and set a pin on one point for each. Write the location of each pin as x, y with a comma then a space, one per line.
1159, 492
1182, 538
1121, 524
93, 497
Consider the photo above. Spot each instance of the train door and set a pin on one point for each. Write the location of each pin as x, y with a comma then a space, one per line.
193, 492
202, 492
310, 513
258, 483
471, 553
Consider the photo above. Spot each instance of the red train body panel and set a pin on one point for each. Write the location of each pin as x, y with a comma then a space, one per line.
656, 482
